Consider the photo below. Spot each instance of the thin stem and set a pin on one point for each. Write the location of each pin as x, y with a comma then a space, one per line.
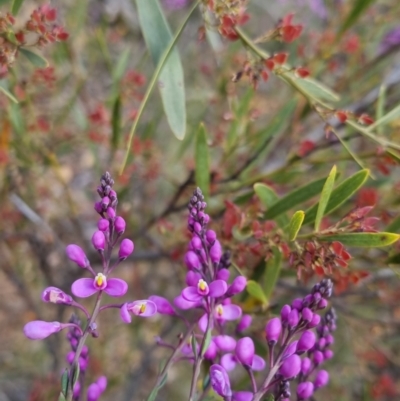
252, 378
153, 81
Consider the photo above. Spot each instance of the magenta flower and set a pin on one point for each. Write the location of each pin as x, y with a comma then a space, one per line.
305, 390
126, 248
85, 287
306, 341
273, 330
242, 396
230, 361
56, 296
220, 381
163, 305
119, 225
38, 329
77, 255
143, 308
321, 379
290, 367
221, 313
225, 343
244, 323
245, 351
99, 240
195, 293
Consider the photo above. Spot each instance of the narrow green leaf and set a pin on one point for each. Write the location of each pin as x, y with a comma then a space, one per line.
116, 123
324, 199
202, 174
158, 37
367, 240
393, 114
295, 198
193, 343
16, 5
394, 226
4, 89
64, 381
61, 397
34, 58
272, 272
255, 290
359, 6
206, 343
380, 107
77, 370
339, 195
295, 224
269, 197
121, 66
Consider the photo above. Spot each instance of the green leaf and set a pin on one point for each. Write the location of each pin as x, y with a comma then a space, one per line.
77, 370
393, 114
255, 290
16, 5
206, 343
394, 226
324, 199
64, 381
339, 195
116, 123
61, 397
295, 224
202, 174
121, 66
269, 197
295, 198
193, 343
4, 89
34, 58
368, 240
380, 106
272, 272
359, 6
158, 37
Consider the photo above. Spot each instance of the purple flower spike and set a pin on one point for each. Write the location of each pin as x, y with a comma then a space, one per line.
237, 286
143, 308
322, 379
245, 351
192, 260
103, 225
76, 254
225, 343
242, 396
273, 330
126, 248
99, 240
93, 392
290, 367
216, 252
56, 296
38, 329
163, 305
305, 390
119, 225
306, 341
220, 381
244, 323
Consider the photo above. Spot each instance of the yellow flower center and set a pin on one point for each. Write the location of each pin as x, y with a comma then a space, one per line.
220, 310
202, 285
100, 279
139, 309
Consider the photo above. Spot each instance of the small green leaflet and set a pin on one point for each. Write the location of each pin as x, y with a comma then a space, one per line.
295, 224
324, 199
368, 240
272, 271
34, 58
16, 5
255, 290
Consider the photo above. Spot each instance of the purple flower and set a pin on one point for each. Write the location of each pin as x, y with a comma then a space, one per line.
163, 305
103, 224
220, 381
126, 248
143, 308
242, 396
119, 225
212, 351
85, 287
237, 286
192, 260
223, 274
93, 392
76, 254
273, 330
225, 343
245, 351
216, 252
99, 240
195, 293
244, 323
38, 329
305, 366
305, 390
306, 341
290, 367
221, 313
56, 296
321, 379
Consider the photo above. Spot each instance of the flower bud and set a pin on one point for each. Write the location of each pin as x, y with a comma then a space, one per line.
321, 379
56, 296
237, 286
102, 383
305, 390
220, 381
192, 260
244, 323
99, 240
211, 236
290, 350
322, 304
328, 354
223, 274
216, 252
286, 309
211, 352
307, 314
293, 318
297, 304
318, 357
105, 202
245, 351
225, 343
119, 225
196, 243
93, 392
98, 207
243, 396
329, 339
305, 366
38, 329
273, 330
110, 213
126, 248
103, 224
76, 254
306, 341
290, 367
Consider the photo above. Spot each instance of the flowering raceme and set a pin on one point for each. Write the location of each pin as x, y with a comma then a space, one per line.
110, 230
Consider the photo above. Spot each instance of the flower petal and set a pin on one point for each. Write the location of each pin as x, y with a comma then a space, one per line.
143, 308
225, 343
229, 362
231, 312
116, 287
191, 294
163, 305
243, 396
183, 304
124, 313
83, 288
258, 363
38, 329
217, 288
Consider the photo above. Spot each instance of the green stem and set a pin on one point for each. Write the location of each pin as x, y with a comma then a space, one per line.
153, 81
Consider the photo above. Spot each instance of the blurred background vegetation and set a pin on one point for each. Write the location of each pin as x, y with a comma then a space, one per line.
72, 122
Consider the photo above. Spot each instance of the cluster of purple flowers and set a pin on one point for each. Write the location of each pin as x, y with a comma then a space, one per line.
110, 229
289, 337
